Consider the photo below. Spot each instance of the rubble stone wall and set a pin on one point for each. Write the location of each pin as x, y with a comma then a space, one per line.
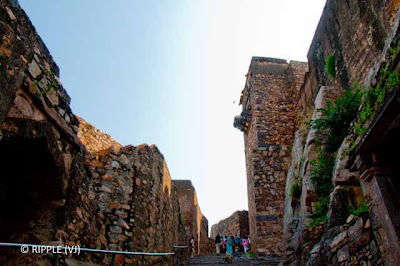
40, 148
137, 208
354, 32
194, 222
343, 23
362, 37
237, 223
94, 139
206, 244
82, 187
268, 123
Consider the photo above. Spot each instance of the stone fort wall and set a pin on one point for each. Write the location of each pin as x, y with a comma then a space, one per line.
237, 223
363, 38
343, 239
268, 123
69, 183
194, 222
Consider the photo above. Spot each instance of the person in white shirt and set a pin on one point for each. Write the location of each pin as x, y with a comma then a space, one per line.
192, 246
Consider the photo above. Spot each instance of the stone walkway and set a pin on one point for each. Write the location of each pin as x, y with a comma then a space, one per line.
218, 260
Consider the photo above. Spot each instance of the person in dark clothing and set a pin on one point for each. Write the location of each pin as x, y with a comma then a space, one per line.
237, 241
217, 244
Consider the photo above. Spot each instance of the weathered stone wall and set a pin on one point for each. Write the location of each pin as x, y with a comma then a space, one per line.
268, 122
186, 195
137, 206
372, 26
362, 38
237, 223
194, 222
44, 184
206, 244
304, 152
94, 139
57, 190
354, 32
370, 151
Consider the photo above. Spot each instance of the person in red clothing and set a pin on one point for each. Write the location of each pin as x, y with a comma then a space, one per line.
223, 245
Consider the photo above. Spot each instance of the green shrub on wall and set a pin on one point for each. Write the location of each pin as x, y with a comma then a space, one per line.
295, 191
392, 80
363, 208
321, 176
374, 96
332, 126
336, 118
321, 173
330, 66
320, 214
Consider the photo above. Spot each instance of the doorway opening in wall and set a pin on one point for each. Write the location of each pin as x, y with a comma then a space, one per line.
391, 186
28, 183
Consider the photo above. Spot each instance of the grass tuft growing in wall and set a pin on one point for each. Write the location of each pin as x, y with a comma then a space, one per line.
320, 214
363, 208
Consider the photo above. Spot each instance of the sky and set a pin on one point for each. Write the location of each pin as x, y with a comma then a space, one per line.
170, 73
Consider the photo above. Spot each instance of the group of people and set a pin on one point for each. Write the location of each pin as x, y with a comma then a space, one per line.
232, 244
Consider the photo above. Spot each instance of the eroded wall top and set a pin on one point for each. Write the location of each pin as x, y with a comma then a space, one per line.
94, 139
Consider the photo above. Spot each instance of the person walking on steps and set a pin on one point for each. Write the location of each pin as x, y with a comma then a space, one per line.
217, 244
223, 245
245, 244
237, 241
192, 246
229, 245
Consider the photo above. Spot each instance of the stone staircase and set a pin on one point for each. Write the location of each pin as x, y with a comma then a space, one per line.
243, 260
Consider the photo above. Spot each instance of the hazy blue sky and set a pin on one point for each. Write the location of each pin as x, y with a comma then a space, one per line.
168, 73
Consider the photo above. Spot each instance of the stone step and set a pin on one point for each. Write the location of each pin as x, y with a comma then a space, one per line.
243, 260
